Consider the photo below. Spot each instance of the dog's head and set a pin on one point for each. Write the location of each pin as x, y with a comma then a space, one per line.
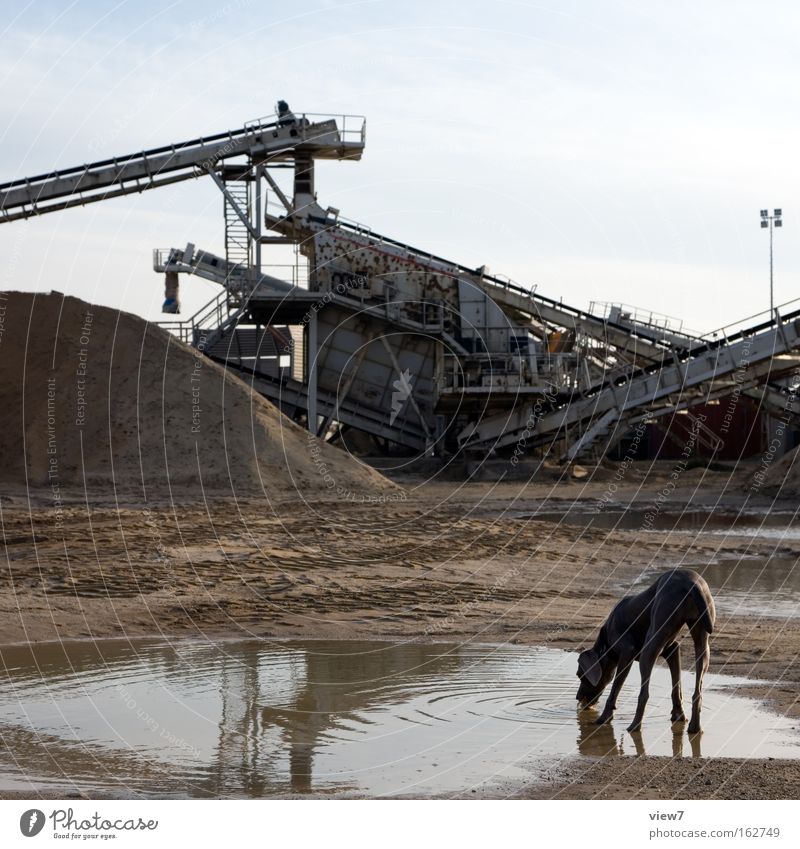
595, 670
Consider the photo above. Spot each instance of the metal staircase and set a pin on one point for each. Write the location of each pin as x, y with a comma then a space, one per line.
590, 437
696, 427
238, 239
209, 323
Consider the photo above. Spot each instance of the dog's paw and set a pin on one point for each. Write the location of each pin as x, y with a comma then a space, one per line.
678, 717
603, 719
694, 728
634, 727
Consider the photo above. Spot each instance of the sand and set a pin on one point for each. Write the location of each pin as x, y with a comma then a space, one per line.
779, 477
91, 396
450, 562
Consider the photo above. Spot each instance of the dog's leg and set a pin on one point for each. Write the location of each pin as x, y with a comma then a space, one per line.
701, 655
672, 654
653, 646
626, 658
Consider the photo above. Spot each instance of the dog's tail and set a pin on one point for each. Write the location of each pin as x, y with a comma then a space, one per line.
705, 608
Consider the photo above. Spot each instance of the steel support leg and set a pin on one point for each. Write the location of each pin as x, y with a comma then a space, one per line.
312, 372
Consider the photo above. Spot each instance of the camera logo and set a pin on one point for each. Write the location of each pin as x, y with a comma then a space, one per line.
401, 394
31, 822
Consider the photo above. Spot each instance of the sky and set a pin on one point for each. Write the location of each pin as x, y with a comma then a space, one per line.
601, 151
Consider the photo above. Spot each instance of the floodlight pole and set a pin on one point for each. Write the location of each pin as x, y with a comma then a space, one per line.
771, 285
767, 220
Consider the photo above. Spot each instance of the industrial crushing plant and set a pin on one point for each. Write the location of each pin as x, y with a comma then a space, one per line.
424, 355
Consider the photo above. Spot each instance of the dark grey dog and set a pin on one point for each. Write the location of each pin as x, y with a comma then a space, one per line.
642, 627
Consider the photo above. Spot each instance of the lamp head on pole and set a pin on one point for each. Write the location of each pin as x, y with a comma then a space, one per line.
776, 218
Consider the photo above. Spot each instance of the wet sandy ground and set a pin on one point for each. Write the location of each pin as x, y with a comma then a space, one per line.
449, 562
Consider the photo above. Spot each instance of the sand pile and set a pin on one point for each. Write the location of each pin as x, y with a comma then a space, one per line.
91, 394
779, 478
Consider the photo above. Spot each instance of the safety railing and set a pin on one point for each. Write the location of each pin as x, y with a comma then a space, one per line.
166, 258
753, 323
504, 282
295, 273
637, 315
208, 317
352, 128
236, 277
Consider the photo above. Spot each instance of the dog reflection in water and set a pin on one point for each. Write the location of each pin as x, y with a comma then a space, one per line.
598, 741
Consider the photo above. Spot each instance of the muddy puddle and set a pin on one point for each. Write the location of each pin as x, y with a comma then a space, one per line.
756, 523
253, 719
747, 586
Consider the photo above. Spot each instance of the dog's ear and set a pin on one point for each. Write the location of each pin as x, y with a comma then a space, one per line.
589, 666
